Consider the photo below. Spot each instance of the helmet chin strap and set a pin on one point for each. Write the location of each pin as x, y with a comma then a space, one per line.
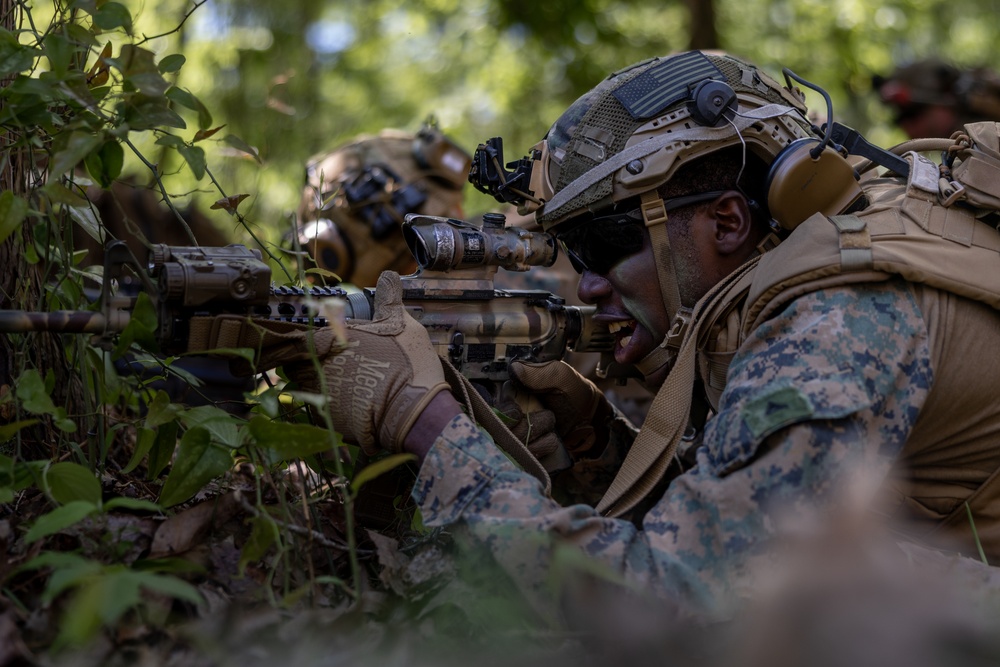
654, 214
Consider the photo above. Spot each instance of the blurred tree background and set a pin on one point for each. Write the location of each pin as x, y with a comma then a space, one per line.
295, 77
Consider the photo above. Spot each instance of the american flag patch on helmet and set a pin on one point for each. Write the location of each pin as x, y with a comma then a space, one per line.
664, 83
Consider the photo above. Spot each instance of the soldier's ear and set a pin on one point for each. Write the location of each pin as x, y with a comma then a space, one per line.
733, 220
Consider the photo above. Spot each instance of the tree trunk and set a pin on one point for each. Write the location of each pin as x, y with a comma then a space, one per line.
703, 33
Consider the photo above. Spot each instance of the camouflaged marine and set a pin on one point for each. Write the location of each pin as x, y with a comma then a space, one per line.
356, 197
820, 332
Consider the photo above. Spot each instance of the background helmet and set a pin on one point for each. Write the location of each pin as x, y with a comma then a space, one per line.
357, 195
973, 93
630, 134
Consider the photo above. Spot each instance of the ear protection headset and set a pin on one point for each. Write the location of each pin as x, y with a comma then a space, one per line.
806, 177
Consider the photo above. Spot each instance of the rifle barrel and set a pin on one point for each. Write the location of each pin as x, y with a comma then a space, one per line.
58, 321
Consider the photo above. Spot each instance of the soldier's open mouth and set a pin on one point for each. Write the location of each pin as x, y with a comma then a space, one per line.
623, 331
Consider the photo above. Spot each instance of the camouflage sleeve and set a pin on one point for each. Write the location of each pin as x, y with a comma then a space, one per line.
829, 386
587, 480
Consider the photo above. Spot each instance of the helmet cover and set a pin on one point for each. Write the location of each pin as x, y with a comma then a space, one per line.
592, 151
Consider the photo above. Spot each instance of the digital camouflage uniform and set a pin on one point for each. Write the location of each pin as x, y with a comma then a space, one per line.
850, 365
795, 423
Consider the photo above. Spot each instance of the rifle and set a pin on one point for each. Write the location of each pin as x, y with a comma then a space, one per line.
479, 328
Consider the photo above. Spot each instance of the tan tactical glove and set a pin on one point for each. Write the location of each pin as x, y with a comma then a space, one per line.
581, 411
530, 422
384, 378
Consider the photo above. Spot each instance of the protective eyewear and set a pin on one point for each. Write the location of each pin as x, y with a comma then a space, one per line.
598, 244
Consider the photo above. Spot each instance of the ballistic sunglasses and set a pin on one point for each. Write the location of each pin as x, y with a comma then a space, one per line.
596, 245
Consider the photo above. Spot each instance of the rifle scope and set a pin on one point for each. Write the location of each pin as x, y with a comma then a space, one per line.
442, 244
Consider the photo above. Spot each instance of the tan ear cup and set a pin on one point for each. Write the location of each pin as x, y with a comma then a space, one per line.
328, 248
800, 185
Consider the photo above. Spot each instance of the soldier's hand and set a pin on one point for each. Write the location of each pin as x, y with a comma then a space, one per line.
581, 411
380, 384
530, 422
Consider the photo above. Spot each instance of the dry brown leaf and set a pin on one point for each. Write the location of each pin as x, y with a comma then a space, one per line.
229, 203
205, 134
183, 531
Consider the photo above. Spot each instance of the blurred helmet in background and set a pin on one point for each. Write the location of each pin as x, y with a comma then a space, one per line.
357, 195
933, 98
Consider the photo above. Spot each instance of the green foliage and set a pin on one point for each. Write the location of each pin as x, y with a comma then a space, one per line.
102, 594
69, 482
13, 211
33, 393
198, 461
288, 442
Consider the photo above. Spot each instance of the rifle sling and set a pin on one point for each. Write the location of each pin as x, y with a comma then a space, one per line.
488, 420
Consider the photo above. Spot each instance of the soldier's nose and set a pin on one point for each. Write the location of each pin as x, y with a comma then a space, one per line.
592, 287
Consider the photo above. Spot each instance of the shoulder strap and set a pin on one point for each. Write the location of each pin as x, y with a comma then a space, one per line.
488, 420
654, 447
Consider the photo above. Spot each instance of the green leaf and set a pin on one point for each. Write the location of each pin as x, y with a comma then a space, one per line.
139, 69
89, 220
60, 518
144, 112
31, 392
185, 98
163, 450
89, 6
28, 473
68, 569
57, 560
113, 15
105, 164
80, 35
60, 51
67, 482
169, 564
60, 194
198, 462
263, 534
119, 592
8, 431
219, 423
370, 472
161, 410
14, 57
144, 439
171, 63
100, 600
76, 149
242, 146
136, 504
167, 139
13, 211
141, 328
290, 441
171, 586
195, 158
270, 401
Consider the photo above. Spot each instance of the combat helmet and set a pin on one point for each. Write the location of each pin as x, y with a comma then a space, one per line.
974, 93
357, 195
628, 136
